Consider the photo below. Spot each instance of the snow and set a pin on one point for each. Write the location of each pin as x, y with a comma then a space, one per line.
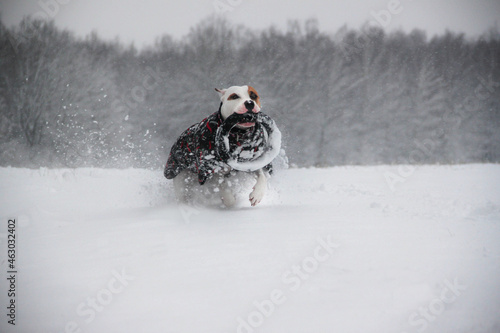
328, 250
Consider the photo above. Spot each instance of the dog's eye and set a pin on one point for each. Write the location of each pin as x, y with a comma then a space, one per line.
233, 96
253, 96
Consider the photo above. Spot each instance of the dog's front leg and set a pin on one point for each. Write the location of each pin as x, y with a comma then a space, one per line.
227, 195
259, 189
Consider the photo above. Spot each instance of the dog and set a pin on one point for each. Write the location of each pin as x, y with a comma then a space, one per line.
194, 152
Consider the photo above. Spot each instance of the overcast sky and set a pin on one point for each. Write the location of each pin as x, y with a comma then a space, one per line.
142, 21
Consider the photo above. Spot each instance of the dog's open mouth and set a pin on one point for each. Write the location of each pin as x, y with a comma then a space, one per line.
246, 125
245, 120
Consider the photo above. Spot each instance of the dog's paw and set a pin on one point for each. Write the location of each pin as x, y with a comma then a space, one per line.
257, 195
228, 198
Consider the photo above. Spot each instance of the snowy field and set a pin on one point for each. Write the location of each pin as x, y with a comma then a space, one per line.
345, 249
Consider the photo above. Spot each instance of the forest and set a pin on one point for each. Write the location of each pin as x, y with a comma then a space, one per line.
353, 97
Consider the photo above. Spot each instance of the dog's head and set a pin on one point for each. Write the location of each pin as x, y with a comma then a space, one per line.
240, 100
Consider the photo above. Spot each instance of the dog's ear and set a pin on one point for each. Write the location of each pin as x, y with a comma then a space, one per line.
221, 92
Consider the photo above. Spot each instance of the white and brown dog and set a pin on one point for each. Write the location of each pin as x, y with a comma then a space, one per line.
194, 152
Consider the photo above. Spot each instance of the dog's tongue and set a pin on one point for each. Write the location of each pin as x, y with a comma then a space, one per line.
246, 124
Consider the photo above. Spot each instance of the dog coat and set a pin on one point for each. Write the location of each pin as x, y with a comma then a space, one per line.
195, 149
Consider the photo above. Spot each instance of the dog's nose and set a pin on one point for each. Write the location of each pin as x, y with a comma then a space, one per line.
249, 105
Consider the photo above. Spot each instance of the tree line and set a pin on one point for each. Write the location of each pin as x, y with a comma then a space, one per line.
353, 97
